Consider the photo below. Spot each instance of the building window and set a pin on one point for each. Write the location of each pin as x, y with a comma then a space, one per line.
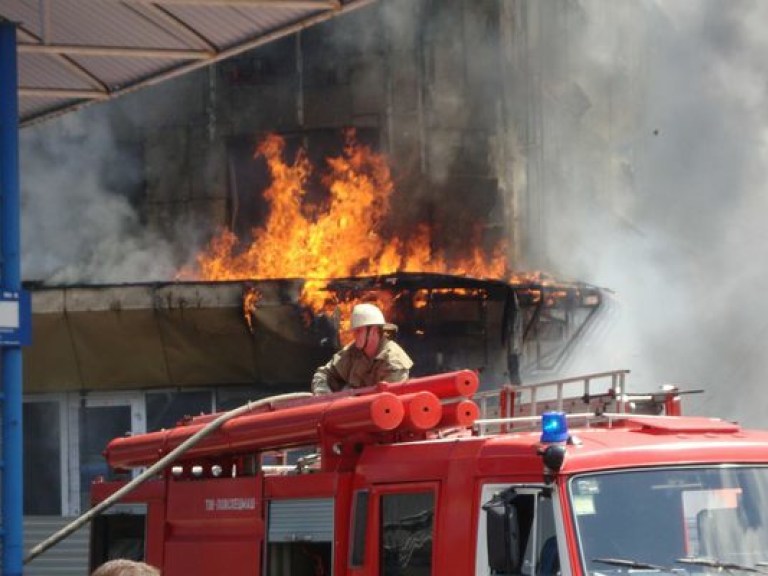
98, 425
166, 409
42, 458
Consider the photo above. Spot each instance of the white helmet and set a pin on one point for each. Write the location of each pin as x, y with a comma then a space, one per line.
367, 315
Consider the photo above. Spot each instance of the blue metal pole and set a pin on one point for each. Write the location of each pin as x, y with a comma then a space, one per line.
10, 280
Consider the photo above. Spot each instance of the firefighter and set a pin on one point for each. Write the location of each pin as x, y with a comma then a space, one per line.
124, 567
372, 358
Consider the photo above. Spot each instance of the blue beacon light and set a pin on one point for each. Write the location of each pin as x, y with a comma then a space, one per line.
554, 427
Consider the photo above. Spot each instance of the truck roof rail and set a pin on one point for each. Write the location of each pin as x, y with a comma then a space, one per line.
584, 397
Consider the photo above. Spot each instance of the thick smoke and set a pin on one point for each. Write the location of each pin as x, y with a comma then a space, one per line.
645, 167
656, 189
78, 224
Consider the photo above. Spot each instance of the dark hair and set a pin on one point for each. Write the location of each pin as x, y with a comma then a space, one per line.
123, 567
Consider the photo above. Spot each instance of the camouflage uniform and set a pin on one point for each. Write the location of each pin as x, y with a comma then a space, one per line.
351, 367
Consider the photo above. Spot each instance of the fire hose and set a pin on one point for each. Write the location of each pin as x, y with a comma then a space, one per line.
154, 469
414, 405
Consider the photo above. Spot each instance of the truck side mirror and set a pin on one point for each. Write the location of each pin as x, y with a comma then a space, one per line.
503, 534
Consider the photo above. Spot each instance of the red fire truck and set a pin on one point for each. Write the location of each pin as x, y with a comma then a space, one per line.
430, 477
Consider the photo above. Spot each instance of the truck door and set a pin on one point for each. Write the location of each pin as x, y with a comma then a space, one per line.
401, 523
518, 532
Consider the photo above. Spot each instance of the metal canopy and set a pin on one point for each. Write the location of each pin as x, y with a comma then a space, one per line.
73, 52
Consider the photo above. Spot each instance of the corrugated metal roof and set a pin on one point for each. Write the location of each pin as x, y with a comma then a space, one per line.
75, 52
105, 24
40, 70
119, 72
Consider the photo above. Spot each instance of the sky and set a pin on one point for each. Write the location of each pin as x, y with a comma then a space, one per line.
653, 164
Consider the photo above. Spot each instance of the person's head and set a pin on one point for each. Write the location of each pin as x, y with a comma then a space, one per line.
123, 567
368, 327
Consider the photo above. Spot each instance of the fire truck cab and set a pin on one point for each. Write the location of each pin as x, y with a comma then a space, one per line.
430, 477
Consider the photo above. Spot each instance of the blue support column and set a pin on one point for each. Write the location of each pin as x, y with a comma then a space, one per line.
10, 280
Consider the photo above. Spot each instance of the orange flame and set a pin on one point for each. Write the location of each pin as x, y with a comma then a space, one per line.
251, 299
341, 238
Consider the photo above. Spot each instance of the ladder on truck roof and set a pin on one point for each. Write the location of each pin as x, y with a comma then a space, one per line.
599, 395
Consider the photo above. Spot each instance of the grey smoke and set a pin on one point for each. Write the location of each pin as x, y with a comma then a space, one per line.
663, 184
652, 164
78, 224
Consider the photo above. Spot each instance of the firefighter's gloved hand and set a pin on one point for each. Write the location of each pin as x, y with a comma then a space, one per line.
320, 384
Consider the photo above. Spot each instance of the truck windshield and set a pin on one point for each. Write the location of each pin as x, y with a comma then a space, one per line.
692, 520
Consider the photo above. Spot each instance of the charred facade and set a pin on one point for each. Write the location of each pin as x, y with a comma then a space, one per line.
216, 333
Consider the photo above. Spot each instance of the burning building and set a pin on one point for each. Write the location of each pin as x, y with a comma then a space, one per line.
371, 159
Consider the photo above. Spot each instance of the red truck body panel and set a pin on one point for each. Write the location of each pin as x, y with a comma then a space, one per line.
217, 525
